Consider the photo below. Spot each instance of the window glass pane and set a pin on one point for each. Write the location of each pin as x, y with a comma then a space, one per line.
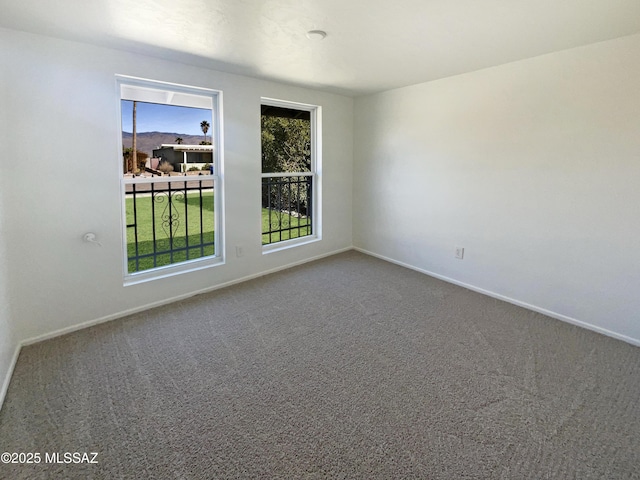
286, 140
166, 134
286, 208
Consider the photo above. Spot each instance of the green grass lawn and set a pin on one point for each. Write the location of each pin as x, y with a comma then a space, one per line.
182, 207
189, 207
280, 220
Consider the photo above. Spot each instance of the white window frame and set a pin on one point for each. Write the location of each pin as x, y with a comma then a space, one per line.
179, 95
315, 113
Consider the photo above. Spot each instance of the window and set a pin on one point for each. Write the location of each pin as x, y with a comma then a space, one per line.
290, 174
171, 178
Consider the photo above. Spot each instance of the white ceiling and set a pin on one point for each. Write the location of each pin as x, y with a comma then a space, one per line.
372, 45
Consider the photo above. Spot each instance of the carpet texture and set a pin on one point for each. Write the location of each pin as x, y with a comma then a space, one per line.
348, 367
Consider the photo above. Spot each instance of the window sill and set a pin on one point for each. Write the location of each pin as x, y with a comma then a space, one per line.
171, 270
287, 244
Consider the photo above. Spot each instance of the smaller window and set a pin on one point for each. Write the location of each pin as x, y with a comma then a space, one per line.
290, 174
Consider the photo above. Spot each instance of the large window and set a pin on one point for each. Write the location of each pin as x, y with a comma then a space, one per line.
290, 173
171, 178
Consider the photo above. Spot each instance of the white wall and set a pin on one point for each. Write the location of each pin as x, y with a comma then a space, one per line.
62, 164
8, 340
533, 167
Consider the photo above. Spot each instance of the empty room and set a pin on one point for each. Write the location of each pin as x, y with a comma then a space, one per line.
320, 239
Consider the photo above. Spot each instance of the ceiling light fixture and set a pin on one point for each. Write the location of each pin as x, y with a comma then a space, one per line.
316, 35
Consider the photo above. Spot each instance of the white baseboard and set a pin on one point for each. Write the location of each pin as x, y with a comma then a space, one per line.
7, 377
108, 318
90, 323
528, 306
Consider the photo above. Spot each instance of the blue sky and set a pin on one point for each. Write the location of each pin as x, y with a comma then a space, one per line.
153, 117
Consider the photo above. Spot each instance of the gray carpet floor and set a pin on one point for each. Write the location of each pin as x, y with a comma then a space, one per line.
348, 367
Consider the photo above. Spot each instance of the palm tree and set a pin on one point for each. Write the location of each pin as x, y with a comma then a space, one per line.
179, 140
204, 125
134, 147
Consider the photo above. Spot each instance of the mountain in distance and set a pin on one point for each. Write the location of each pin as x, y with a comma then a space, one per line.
148, 141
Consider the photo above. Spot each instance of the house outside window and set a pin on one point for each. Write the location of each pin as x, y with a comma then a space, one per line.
171, 178
291, 174
184, 158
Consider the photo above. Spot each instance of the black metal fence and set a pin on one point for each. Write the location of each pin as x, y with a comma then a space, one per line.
169, 222
287, 208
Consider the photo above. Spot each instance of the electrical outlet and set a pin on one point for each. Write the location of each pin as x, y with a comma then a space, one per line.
459, 253
239, 251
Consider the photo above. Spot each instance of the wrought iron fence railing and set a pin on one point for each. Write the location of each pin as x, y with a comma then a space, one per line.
170, 219
286, 206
